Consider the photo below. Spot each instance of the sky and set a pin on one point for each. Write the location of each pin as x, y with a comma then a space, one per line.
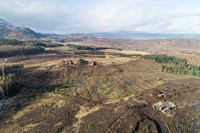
85, 16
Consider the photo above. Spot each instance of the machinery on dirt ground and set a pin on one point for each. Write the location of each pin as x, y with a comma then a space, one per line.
165, 107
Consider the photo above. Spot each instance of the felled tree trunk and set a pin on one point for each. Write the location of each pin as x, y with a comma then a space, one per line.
3, 73
2, 92
6, 88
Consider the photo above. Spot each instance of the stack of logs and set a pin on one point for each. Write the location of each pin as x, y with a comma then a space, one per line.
69, 63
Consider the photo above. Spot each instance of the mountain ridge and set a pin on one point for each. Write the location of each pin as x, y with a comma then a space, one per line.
10, 31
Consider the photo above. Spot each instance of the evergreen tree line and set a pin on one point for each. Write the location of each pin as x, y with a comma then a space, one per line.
178, 66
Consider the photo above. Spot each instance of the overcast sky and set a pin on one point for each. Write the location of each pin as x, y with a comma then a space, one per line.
80, 16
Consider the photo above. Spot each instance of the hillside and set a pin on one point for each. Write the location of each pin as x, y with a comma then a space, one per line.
14, 32
116, 94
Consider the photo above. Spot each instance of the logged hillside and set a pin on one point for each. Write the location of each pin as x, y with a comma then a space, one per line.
13, 47
9, 50
99, 98
191, 58
4, 41
85, 88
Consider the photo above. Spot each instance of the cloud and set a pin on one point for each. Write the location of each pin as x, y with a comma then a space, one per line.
72, 16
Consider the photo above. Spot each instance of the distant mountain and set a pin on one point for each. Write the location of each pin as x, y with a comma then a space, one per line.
10, 31
143, 36
14, 32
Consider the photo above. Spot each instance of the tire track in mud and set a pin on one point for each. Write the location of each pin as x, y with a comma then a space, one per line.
117, 119
159, 129
133, 121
